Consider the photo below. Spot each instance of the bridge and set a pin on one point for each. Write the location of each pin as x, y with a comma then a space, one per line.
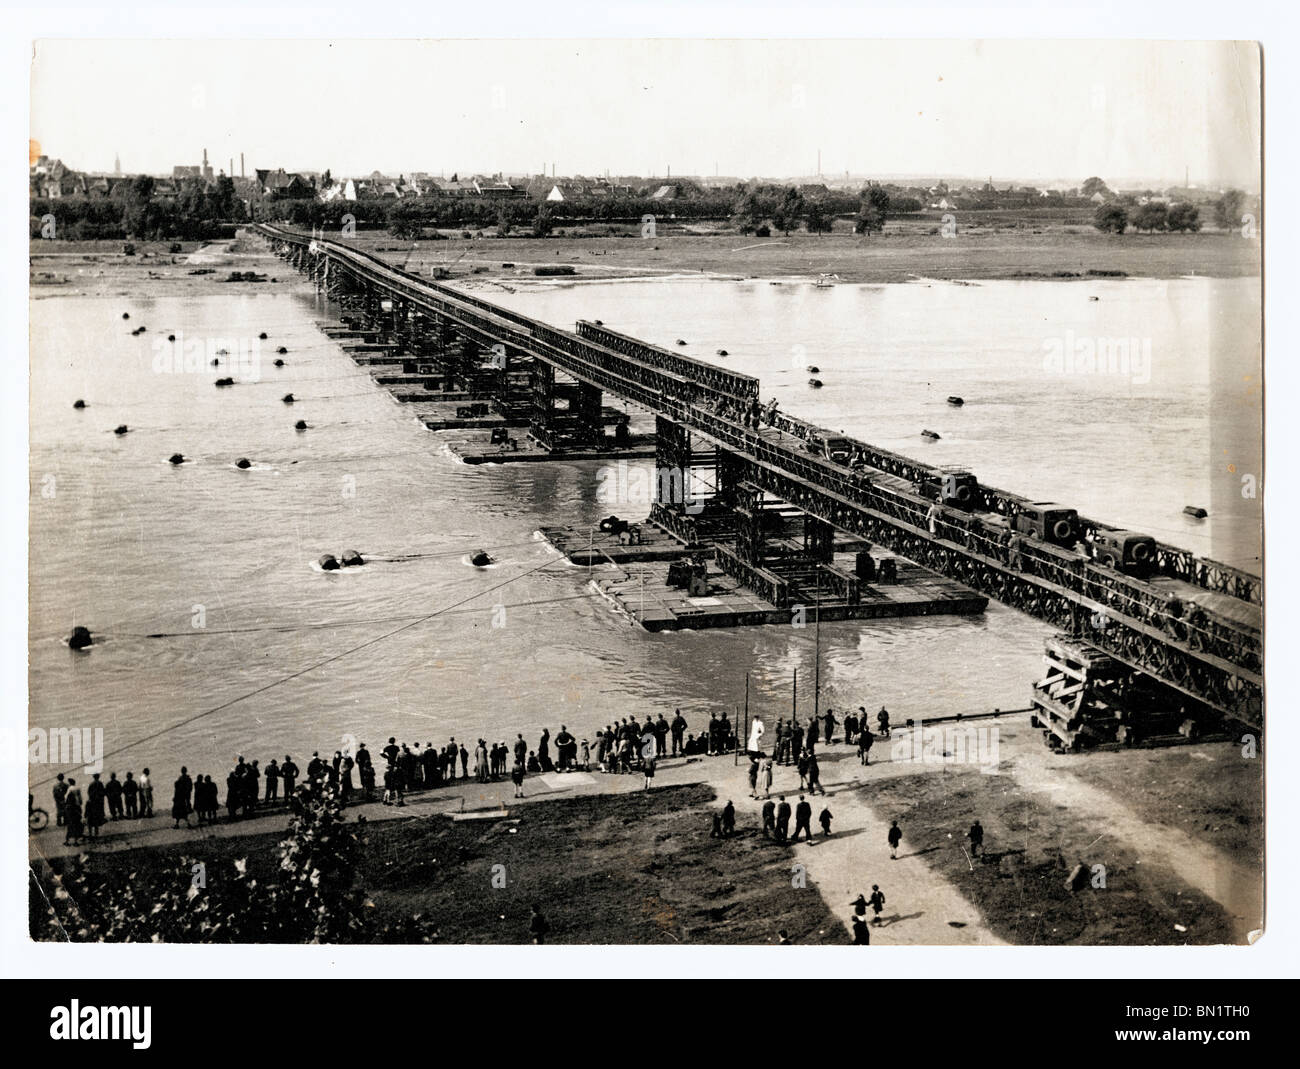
1193, 624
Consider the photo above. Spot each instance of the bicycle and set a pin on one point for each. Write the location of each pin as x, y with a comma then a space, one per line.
37, 818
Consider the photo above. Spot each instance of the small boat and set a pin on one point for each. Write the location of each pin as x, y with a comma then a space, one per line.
681, 341
812, 369
816, 384
1195, 510
953, 399
722, 352
931, 435
1094, 298
825, 281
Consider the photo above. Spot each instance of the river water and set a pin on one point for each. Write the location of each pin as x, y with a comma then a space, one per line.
262, 653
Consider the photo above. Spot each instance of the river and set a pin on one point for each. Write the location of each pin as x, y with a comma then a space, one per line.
261, 653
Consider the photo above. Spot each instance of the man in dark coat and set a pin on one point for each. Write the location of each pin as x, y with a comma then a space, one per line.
113, 792
783, 820
678, 729
769, 818
131, 795
288, 773
803, 819
272, 781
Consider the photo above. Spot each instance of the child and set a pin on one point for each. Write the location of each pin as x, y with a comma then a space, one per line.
586, 756
649, 773
825, 821
877, 901
517, 775
895, 837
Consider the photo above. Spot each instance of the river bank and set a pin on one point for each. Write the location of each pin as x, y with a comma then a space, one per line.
904, 252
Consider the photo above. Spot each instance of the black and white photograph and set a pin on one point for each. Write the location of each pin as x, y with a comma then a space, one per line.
643, 492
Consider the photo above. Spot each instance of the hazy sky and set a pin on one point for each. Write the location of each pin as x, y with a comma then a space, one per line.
1036, 110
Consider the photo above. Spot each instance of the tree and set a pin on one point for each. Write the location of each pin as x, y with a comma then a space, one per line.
543, 221
406, 221
817, 218
1184, 217
1150, 216
1111, 218
1227, 209
749, 212
872, 209
789, 211
1094, 185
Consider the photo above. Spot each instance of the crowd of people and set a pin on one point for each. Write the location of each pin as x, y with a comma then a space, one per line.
624, 746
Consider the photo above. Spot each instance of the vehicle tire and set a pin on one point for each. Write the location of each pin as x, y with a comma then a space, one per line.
1062, 530
38, 819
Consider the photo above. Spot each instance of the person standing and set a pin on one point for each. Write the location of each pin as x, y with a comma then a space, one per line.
765, 779
95, 795
815, 775
481, 761
865, 739
976, 836
464, 762
288, 773
895, 837
517, 776
753, 777
60, 796
877, 901
661, 736
72, 813
769, 819
649, 770
131, 795
146, 794
803, 819
586, 756
544, 751
272, 781
678, 728
728, 819
861, 933
882, 722
825, 821
182, 790
829, 722
113, 793
782, 820
537, 926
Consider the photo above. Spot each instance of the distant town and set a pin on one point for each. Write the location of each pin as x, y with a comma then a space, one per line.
198, 201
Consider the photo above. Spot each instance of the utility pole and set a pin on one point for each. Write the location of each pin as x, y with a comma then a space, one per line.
817, 650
